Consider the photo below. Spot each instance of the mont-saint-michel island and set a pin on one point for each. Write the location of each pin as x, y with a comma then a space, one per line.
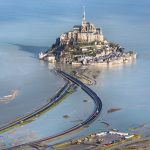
86, 44
66, 84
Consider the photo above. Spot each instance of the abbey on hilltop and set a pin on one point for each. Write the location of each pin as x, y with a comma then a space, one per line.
85, 44
86, 32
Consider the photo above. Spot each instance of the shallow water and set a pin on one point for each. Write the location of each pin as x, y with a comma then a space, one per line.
53, 121
34, 83
126, 22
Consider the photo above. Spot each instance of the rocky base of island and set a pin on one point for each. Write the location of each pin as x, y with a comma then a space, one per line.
102, 53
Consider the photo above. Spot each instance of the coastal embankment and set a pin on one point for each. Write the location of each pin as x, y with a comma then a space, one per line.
90, 119
28, 118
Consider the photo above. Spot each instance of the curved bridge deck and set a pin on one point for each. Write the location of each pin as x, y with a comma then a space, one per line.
91, 118
54, 99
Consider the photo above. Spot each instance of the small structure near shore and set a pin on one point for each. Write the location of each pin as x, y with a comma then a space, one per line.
42, 55
98, 140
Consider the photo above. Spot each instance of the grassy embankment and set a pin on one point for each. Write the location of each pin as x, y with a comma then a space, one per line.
70, 91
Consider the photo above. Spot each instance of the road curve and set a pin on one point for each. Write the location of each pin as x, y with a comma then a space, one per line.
54, 99
91, 118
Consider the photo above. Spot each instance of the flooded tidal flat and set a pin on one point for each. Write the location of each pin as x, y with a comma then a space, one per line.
124, 90
53, 121
126, 87
25, 84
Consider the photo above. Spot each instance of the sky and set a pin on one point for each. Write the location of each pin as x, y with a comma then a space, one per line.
39, 22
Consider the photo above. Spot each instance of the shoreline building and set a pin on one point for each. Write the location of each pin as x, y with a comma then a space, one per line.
86, 32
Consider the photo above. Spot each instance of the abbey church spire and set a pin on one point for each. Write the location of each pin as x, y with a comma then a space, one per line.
84, 13
83, 19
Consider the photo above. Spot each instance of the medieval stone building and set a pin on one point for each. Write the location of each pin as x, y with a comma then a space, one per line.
86, 32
